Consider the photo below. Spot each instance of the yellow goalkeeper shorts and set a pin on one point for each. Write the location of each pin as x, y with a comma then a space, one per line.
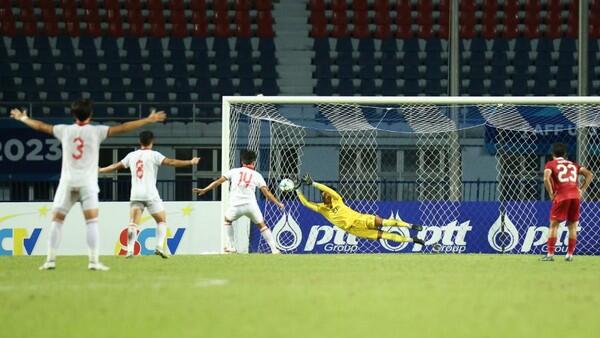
363, 222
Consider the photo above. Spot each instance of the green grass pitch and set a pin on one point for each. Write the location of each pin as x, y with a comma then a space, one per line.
302, 296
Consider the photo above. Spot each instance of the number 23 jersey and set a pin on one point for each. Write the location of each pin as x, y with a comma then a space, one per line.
564, 178
80, 153
242, 185
143, 164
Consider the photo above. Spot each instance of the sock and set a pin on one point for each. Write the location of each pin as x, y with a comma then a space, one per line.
571, 247
54, 239
131, 237
267, 235
551, 245
395, 237
161, 234
394, 223
93, 239
228, 235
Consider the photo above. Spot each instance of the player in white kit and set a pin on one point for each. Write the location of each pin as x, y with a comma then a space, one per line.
143, 164
79, 173
242, 199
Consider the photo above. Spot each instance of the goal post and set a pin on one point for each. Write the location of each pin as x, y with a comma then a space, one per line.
467, 168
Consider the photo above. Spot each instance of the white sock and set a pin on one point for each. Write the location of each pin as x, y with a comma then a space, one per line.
93, 239
131, 237
54, 239
229, 235
267, 235
161, 234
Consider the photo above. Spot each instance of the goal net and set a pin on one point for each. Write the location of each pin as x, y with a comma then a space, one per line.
468, 169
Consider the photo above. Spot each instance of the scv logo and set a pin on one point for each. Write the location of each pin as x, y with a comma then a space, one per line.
141, 247
20, 240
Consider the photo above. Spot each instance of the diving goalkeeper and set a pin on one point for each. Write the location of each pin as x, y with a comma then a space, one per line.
358, 224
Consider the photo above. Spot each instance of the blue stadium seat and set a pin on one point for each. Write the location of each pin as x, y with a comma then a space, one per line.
221, 46
65, 46
544, 45
499, 45
498, 87
345, 71
366, 58
476, 87
343, 45
323, 71
345, 87
410, 72
41, 42
266, 45
563, 88
367, 71
323, 87
411, 87
175, 44
433, 87
389, 70
367, 87
519, 86
433, 45
410, 45
568, 45
246, 87
224, 70
110, 48
478, 45
198, 44
389, 87
522, 45
270, 87
389, 45
243, 48
225, 86
245, 71
366, 45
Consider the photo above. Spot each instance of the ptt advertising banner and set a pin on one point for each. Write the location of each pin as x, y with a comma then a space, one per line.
459, 227
193, 228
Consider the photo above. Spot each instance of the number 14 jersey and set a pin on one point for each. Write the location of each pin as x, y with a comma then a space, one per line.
242, 185
564, 178
143, 164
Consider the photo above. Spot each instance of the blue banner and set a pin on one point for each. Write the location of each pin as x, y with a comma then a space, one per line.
479, 228
27, 154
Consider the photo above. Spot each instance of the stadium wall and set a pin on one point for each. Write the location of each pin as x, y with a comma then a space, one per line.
193, 228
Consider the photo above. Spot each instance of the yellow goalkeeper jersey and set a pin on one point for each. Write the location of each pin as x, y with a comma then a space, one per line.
338, 214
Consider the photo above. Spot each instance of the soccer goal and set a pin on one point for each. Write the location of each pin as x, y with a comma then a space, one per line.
469, 169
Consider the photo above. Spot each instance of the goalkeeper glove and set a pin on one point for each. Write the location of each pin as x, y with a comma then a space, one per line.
297, 183
307, 179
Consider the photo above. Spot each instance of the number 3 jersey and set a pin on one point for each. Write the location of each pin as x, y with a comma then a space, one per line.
242, 185
80, 153
143, 164
564, 178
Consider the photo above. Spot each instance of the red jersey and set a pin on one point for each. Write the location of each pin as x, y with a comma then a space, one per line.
564, 179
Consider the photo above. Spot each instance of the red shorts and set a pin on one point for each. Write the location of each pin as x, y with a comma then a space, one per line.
565, 210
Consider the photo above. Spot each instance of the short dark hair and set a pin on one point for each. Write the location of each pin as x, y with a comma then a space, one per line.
81, 109
146, 137
248, 156
559, 150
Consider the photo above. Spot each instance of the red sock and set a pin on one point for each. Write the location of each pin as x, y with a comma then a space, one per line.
571, 247
551, 245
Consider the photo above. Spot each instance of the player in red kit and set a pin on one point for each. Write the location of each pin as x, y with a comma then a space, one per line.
561, 178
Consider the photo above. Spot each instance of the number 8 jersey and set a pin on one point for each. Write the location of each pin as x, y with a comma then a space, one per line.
80, 153
143, 164
564, 178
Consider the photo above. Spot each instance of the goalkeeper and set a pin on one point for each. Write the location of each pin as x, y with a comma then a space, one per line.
358, 224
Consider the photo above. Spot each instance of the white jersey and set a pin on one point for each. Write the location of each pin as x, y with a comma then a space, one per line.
80, 153
243, 183
143, 164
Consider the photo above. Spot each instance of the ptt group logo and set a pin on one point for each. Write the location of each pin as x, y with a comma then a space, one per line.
18, 241
146, 241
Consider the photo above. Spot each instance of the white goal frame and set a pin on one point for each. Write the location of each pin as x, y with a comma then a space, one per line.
228, 101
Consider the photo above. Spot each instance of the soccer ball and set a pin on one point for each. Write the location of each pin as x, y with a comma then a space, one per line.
286, 185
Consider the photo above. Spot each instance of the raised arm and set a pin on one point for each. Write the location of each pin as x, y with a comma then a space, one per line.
267, 193
327, 189
171, 162
311, 205
31, 123
548, 183
111, 168
132, 125
588, 176
211, 186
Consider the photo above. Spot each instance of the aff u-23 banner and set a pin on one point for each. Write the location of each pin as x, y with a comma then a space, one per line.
478, 229
193, 228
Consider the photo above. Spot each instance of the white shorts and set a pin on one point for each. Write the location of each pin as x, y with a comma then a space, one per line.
251, 211
154, 207
66, 197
